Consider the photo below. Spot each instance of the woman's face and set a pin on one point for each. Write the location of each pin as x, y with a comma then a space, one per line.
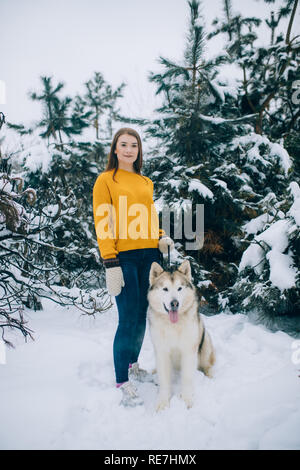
127, 150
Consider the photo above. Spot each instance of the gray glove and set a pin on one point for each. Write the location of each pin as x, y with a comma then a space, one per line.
114, 280
114, 276
163, 244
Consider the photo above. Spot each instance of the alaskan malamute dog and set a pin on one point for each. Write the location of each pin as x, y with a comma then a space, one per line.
177, 331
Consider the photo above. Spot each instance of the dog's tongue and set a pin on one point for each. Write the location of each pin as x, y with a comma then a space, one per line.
173, 315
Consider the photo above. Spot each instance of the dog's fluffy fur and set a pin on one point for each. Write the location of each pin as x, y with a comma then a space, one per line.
177, 331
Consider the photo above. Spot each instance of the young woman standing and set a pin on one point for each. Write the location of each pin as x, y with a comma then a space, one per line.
128, 245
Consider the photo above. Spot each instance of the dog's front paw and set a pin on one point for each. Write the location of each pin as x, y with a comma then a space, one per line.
162, 403
188, 400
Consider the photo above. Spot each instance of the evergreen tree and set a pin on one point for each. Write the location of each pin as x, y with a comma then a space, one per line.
59, 251
268, 72
194, 138
74, 166
55, 111
99, 98
268, 279
29, 265
208, 153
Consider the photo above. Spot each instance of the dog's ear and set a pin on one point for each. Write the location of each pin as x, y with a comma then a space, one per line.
155, 271
185, 269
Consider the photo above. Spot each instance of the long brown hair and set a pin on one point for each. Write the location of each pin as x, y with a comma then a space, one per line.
113, 162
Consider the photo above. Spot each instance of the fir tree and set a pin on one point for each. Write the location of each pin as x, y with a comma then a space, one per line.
194, 139
208, 153
268, 72
54, 110
99, 98
59, 251
29, 267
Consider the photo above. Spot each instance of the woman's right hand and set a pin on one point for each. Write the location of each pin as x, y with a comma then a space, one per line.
114, 280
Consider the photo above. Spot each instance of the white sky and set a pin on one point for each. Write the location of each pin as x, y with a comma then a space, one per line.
70, 39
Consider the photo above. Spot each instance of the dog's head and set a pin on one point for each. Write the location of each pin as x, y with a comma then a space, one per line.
171, 292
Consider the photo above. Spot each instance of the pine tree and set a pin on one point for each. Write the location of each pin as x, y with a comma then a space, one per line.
75, 163
194, 139
99, 98
268, 72
29, 267
54, 110
59, 250
210, 150
269, 281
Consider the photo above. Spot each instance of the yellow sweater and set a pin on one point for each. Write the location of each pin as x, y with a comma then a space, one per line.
124, 213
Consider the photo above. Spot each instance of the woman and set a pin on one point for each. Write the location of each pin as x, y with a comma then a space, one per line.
129, 241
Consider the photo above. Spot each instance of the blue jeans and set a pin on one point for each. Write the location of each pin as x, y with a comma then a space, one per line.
132, 306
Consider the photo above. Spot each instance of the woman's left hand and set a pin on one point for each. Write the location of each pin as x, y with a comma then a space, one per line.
163, 244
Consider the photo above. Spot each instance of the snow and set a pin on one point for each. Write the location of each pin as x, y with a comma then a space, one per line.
195, 185
276, 150
253, 256
283, 273
218, 90
272, 243
295, 208
219, 183
175, 183
30, 150
254, 156
58, 392
214, 120
276, 235
257, 224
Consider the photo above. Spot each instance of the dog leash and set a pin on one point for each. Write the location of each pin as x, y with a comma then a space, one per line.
162, 262
168, 265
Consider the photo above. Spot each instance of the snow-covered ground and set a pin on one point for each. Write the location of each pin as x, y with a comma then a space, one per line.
58, 392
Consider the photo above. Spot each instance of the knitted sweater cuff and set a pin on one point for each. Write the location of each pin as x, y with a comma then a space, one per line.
111, 262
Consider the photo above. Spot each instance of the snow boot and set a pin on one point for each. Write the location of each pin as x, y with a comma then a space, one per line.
130, 395
141, 375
